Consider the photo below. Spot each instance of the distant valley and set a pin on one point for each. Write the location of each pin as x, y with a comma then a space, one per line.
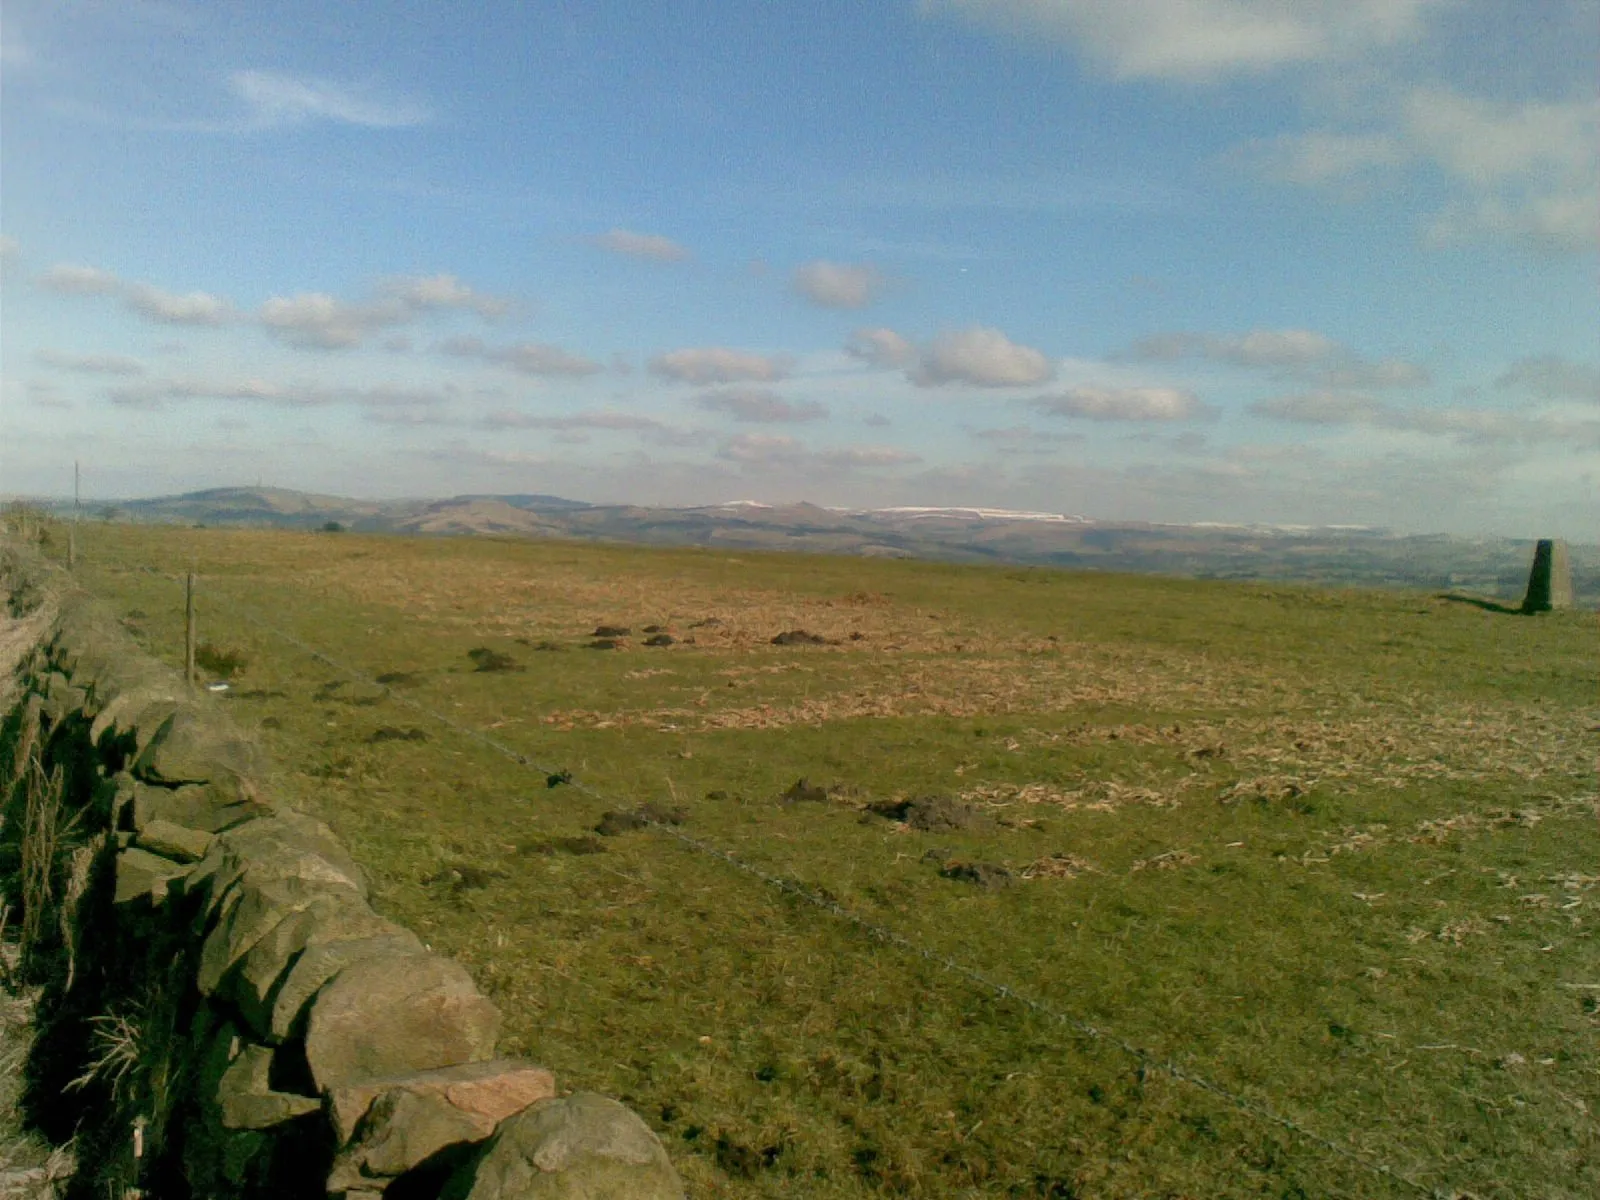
1340, 555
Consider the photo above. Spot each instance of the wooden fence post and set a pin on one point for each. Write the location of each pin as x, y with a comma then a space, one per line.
188, 629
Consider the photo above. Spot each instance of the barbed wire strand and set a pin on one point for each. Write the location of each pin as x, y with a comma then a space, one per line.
1146, 1060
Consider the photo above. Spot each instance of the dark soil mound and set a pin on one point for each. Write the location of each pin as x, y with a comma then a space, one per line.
660, 639
485, 659
564, 845
388, 733
799, 637
619, 821
931, 814
984, 875
802, 789
610, 631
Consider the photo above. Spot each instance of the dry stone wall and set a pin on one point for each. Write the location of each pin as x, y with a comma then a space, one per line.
224, 1014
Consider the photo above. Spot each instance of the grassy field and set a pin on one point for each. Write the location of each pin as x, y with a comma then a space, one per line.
1336, 852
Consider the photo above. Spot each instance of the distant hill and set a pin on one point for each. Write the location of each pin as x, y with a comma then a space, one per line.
1341, 555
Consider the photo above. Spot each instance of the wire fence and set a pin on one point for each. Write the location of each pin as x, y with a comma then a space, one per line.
1144, 1060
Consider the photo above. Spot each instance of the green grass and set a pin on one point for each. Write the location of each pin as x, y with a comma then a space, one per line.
1334, 851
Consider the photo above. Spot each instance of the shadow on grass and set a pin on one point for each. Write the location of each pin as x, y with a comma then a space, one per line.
1515, 610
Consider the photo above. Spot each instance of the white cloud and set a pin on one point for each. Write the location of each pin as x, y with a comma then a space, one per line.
781, 451
275, 99
67, 279
838, 285
1550, 223
1486, 141
1298, 352
1319, 408
758, 404
255, 390
1524, 170
172, 308
152, 303
318, 320
761, 448
1202, 40
718, 364
529, 358
1258, 348
421, 293
880, 348
1483, 426
866, 456
513, 419
1553, 377
1322, 156
981, 357
642, 245
1123, 404
1386, 373
1024, 439
90, 364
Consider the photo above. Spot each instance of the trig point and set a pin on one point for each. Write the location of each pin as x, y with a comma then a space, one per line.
1550, 581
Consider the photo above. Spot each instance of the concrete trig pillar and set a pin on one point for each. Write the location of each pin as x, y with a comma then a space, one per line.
1550, 581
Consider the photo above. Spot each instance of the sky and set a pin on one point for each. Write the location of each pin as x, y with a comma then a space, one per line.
1275, 261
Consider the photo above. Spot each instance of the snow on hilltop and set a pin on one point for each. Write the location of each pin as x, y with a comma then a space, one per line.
914, 512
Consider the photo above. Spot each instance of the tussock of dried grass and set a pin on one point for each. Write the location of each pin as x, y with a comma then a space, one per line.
1057, 866
1170, 861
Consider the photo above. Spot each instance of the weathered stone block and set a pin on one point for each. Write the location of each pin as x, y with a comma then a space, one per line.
247, 1100
320, 963
402, 1130
332, 917
574, 1148
142, 875
139, 711
394, 1015
285, 844
486, 1092
194, 747
174, 841
208, 807
61, 697
262, 904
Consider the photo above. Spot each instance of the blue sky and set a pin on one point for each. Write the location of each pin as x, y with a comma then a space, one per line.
1285, 261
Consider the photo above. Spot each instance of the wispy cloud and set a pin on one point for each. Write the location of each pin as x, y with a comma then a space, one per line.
1123, 404
256, 390
771, 450
838, 285
980, 357
880, 348
1553, 377
1483, 426
760, 405
152, 303
317, 320
651, 246
1201, 41
276, 99
719, 364
1522, 170
1303, 353
90, 364
515, 419
527, 358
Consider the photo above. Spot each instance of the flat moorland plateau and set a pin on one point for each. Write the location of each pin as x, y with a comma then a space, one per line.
1333, 852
